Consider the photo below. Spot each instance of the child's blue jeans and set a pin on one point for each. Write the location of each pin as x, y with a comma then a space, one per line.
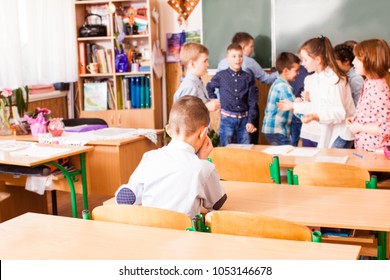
233, 130
277, 139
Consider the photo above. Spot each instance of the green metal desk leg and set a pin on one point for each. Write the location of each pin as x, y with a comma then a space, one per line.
84, 180
68, 175
382, 245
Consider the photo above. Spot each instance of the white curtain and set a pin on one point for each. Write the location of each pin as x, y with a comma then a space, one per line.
38, 42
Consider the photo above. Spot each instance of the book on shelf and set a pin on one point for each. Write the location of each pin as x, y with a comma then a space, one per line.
95, 96
109, 60
111, 97
125, 94
139, 87
82, 58
101, 60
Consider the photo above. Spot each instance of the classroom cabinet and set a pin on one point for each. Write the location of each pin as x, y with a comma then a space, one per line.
116, 81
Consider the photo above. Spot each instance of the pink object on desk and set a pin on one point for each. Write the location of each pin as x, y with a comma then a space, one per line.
386, 150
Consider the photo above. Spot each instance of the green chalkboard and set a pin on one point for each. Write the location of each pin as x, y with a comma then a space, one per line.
223, 18
340, 20
292, 23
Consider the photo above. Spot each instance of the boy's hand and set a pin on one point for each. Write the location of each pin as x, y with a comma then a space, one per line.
205, 149
250, 128
305, 96
285, 105
213, 105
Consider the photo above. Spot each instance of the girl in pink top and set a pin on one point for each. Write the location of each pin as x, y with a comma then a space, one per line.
371, 123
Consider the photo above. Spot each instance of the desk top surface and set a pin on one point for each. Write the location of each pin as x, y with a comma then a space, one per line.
352, 208
372, 161
41, 153
116, 142
38, 236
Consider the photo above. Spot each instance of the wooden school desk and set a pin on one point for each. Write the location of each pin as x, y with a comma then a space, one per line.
370, 160
31, 161
112, 161
350, 208
39, 236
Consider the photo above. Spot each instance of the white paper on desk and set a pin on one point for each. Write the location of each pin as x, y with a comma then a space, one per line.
8, 146
331, 159
278, 150
303, 152
241, 146
37, 151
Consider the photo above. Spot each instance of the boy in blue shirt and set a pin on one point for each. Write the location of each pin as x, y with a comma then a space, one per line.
247, 43
276, 123
238, 96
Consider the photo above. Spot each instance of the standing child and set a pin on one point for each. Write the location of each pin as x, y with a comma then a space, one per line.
330, 100
276, 123
195, 58
344, 57
238, 95
298, 86
371, 123
178, 176
247, 43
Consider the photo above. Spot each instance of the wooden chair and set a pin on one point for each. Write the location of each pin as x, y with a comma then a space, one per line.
255, 225
243, 165
338, 175
331, 174
142, 215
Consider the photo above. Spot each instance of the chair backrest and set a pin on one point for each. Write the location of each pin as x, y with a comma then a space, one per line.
81, 121
142, 216
331, 174
255, 225
243, 165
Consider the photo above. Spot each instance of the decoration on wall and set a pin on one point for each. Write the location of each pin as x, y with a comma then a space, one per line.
183, 7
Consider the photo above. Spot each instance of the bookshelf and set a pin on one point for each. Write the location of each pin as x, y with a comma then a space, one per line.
111, 98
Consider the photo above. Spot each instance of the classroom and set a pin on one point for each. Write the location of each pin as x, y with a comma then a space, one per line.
174, 122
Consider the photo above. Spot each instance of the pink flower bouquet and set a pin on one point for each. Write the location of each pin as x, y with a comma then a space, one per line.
38, 120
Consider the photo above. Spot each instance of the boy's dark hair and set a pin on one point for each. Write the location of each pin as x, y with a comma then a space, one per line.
242, 38
286, 60
188, 114
234, 46
344, 52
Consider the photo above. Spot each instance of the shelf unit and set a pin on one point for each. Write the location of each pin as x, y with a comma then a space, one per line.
115, 114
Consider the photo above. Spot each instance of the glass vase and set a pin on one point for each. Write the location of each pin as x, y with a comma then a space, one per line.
5, 126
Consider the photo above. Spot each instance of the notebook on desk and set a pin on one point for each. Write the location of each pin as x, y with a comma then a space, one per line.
84, 127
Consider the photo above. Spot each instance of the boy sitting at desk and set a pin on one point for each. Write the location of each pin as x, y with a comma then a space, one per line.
178, 176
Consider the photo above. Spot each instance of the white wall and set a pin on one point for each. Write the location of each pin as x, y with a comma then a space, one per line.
169, 24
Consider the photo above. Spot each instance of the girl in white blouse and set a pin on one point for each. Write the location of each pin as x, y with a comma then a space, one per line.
327, 101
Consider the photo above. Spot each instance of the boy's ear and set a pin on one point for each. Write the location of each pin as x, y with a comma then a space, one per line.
167, 130
204, 132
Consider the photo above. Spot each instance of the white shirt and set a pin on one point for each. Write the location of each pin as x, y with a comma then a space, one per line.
174, 178
333, 103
